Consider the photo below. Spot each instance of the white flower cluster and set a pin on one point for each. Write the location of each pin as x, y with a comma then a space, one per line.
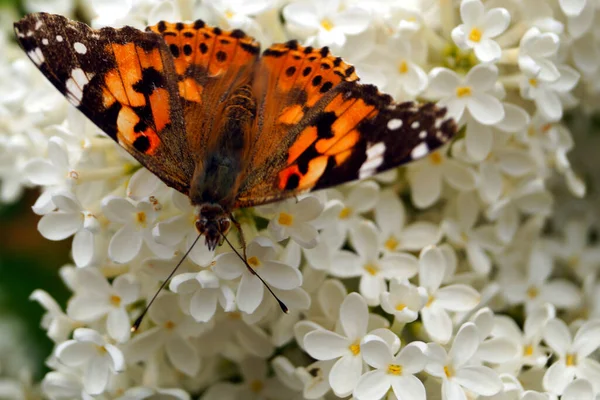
434, 282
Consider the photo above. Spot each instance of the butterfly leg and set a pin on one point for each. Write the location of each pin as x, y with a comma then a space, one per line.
238, 226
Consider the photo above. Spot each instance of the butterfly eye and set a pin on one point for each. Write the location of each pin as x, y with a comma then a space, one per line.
224, 225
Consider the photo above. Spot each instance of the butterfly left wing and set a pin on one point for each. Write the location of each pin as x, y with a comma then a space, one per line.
121, 79
320, 128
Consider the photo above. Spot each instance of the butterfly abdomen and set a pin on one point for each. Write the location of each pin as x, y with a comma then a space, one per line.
216, 179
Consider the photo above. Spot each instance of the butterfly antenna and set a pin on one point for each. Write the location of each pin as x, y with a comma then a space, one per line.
139, 319
253, 272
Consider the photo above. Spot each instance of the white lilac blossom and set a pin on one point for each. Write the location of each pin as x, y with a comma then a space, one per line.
471, 273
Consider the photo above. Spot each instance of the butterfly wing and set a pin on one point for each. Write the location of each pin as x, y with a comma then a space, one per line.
121, 79
320, 128
210, 65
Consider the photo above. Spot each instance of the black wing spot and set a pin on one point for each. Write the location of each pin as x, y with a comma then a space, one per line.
306, 71
151, 79
199, 24
292, 182
290, 71
179, 26
217, 31
141, 144
324, 123
188, 34
317, 80
174, 50
308, 50
203, 48
237, 34
250, 48
324, 51
162, 26
325, 66
221, 56
187, 49
326, 86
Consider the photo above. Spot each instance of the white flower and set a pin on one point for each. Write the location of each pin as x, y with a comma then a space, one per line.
426, 178
455, 370
239, 13
329, 20
173, 331
406, 79
390, 216
56, 170
546, 94
537, 288
479, 27
573, 354
536, 52
99, 360
72, 219
404, 301
572, 7
293, 219
472, 93
262, 258
345, 347
533, 353
57, 324
457, 297
138, 222
391, 371
201, 292
180, 230
96, 298
367, 263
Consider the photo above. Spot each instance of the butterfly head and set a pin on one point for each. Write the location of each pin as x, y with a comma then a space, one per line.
212, 222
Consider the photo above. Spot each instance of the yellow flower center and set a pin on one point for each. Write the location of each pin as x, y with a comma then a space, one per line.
327, 24
229, 14
345, 213
435, 158
394, 369
527, 350
403, 67
392, 243
475, 35
533, 82
429, 301
285, 219
463, 91
448, 371
115, 300
571, 360
141, 218
400, 307
532, 292
101, 349
257, 386
169, 325
573, 261
355, 348
235, 315
371, 269
254, 262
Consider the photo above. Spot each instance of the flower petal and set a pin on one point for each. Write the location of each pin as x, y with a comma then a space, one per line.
325, 345
372, 385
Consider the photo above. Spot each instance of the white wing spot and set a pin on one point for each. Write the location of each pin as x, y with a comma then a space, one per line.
37, 56
59, 38
374, 160
75, 85
394, 123
80, 47
419, 151
45, 41
423, 134
415, 125
38, 25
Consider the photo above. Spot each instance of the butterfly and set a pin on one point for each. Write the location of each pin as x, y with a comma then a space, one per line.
230, 127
